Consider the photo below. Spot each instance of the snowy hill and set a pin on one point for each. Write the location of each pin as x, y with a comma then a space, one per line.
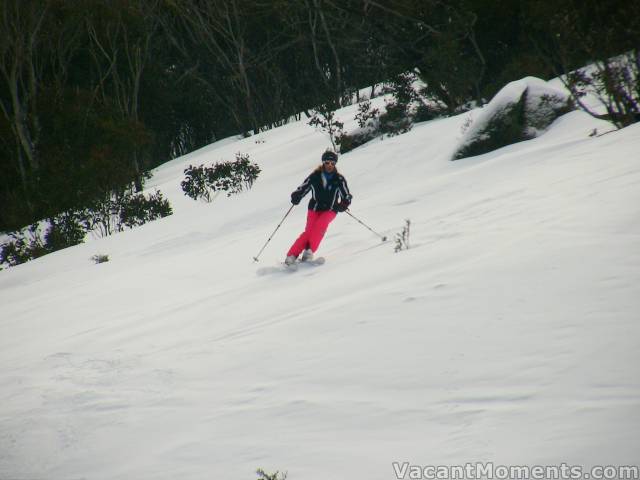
507, 333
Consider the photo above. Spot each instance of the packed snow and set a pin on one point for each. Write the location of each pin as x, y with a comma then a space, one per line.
508, 332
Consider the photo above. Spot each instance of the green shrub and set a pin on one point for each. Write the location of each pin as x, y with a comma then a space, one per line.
348, 142
366, 116
323, 118
123, 209
65, 230
396, 120
424, 112
368, 120
232, 177
116, 212
22, 247
136, 210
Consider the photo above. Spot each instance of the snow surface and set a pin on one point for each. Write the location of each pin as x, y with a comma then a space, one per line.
507, 333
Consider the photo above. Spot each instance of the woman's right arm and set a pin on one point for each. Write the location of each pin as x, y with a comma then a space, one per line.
301, 191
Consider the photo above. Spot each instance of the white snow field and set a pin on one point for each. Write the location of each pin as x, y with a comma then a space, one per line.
507, 333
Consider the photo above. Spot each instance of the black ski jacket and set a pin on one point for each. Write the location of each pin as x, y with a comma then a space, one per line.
324, 195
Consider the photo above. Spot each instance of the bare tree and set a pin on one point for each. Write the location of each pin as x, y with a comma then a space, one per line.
120, 49
21, 68
35, 51
219, 27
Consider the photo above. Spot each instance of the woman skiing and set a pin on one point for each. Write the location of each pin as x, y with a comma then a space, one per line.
329, 195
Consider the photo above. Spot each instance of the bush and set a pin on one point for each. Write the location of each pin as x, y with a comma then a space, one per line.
424, 112
615, 82
65, 230
402, 238
323, 118
396, 120
502, 129
262, 475
407, 107
366, 116
22, 247
123, 209
348, 142
522, 110
232, 177
368, 120
62, 231
100, 258
137, 210
114, 213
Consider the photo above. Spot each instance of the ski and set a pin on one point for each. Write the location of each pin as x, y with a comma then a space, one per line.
302, 263
283, 267
315, 261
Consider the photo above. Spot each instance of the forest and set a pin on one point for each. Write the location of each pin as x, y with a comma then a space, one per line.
95, 93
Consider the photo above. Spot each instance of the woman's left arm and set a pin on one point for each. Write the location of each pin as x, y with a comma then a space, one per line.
344, 190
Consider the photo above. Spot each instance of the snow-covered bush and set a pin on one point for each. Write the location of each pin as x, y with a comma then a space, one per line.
395, 120
522, 110
407, 106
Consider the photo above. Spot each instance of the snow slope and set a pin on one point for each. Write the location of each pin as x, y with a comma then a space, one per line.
507, 333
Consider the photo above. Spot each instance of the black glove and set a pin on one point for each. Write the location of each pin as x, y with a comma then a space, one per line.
295, 198
342, 206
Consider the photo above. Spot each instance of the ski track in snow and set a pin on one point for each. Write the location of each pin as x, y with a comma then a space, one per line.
506, 333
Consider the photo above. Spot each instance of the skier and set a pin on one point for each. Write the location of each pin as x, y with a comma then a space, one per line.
329, 195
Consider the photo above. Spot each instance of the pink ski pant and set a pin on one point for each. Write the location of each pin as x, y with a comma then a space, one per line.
317, 224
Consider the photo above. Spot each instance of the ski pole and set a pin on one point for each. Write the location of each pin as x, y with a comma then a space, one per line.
384, 238
255, 259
